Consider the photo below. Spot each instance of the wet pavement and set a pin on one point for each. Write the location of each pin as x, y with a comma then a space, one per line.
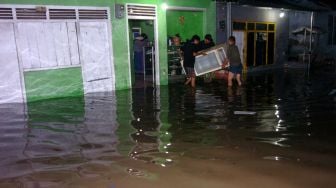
176, 136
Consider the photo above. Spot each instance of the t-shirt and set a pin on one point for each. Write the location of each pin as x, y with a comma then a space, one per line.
188, 54
233, 55
139, 44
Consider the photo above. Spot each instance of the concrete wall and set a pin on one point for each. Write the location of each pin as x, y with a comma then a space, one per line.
284, 25
221, 16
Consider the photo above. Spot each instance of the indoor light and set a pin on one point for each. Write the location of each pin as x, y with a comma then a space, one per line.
164, 6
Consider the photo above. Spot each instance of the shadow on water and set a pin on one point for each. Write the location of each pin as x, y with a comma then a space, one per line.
85, 136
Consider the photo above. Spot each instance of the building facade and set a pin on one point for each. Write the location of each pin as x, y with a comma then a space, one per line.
69, 48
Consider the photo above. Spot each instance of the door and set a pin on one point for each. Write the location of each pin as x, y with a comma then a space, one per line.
250, 55
240, 42
149, 63
271, 48
10, 76
261, 48
47, 45
95, 57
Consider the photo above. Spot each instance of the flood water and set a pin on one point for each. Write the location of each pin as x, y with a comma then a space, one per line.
175, 136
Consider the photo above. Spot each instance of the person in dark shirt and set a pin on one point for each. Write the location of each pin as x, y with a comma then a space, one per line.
207, 42
190, 50
233, 57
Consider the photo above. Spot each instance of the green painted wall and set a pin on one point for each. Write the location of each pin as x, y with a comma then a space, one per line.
210, 10
120, 36
148, 28
53, 83
119, 27
119, 33
192, 24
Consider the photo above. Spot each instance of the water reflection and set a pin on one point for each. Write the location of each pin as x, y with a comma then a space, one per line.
151, 138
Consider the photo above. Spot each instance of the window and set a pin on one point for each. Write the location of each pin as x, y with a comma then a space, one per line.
251, 26
239, 26
271, 27
261, 26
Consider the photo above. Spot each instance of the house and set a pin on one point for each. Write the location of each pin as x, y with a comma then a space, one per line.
69, 48
264, 29
74, 47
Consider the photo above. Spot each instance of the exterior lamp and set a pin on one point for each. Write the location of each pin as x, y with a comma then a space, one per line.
164, 6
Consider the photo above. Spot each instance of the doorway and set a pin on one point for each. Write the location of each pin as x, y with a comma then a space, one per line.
143, 51
182, 24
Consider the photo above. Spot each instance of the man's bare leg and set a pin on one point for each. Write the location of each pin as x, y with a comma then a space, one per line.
188, 81
238, 77
230, 78
193, 82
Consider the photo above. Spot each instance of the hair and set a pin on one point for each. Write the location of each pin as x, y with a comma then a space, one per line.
178, 35
208, 37
144, 36
195, 37
232, 38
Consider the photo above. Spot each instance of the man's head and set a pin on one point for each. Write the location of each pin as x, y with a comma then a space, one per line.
232, 40
177, 40
144, 36
196, 39
208, 39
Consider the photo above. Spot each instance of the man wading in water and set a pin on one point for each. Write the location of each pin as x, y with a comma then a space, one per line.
190, 50
233, 57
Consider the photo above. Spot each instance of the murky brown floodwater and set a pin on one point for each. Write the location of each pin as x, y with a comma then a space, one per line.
177, 137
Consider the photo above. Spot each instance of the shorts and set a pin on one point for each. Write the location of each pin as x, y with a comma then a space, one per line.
236, 69
190, 71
